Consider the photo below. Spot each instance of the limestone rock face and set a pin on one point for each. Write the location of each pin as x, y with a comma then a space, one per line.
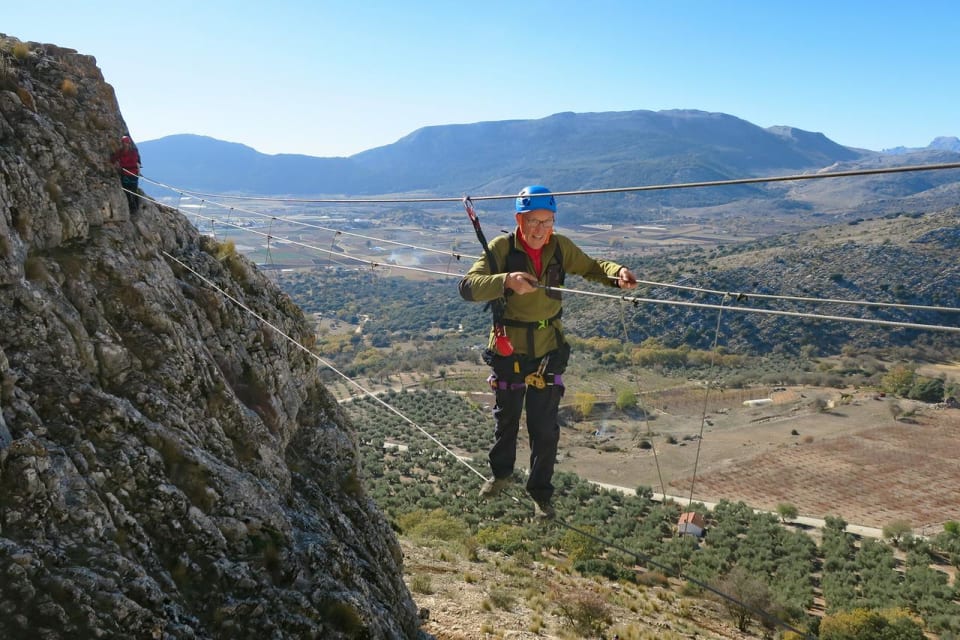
170, 467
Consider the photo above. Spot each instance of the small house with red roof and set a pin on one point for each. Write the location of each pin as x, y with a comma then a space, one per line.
691, 523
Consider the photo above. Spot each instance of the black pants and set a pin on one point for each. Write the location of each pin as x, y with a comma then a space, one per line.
542, 427
129, 183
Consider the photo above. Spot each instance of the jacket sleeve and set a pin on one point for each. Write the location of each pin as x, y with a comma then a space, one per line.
479, 284
579, 263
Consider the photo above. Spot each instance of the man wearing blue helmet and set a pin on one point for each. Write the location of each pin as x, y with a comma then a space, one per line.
529, 360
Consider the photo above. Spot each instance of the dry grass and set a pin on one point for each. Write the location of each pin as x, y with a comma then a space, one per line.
534, 598
69, 88
21, 51
26, 98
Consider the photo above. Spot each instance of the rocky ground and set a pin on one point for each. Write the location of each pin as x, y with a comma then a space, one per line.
496, 596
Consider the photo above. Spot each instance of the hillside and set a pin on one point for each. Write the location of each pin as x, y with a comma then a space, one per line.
169, 467
899, 259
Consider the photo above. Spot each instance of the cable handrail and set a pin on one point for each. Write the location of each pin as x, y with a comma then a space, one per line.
768, 296
776, 312
636, 300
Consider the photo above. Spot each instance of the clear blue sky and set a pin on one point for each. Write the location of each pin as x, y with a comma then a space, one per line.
334, 78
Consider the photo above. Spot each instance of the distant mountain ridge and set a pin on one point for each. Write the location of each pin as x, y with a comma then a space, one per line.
940, 143
566, 151
204, 163
596, 150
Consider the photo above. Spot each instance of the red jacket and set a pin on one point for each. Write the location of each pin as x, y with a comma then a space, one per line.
127, 159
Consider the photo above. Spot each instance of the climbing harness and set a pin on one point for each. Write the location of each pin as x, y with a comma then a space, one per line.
534, 326
553, 274
502, 385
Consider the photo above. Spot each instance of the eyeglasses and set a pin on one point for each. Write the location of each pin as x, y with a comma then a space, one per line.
537, 224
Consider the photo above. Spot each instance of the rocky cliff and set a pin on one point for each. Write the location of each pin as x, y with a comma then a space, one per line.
170, 467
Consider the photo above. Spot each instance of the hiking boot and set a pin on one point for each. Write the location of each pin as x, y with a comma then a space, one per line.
543, 510
494, 486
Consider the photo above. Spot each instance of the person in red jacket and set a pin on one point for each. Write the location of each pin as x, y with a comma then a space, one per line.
126, 159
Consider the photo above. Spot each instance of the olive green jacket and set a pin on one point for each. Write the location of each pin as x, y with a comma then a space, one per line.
480, 285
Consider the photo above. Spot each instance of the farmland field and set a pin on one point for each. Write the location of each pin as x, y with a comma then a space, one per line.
854, 460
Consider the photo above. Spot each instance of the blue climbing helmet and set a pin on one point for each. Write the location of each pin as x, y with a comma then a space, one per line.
536, 197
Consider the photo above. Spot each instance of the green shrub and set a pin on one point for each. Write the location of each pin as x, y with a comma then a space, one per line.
898, 380
421, 583
432, 525
652, 579
586, 612
600, 567
863, 624
626, 399
501, 598
580, 547
503, 537
926, 389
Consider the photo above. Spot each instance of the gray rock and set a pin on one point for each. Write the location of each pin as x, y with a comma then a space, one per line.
170, 469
